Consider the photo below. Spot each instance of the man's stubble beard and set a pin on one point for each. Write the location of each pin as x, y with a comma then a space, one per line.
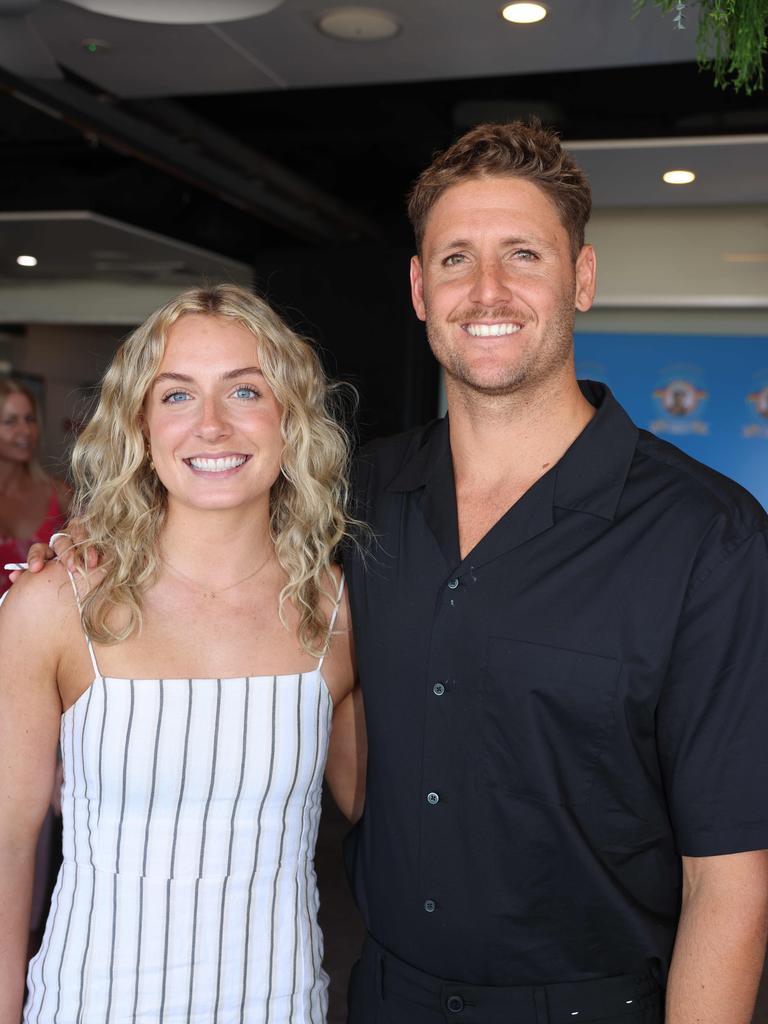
532, 371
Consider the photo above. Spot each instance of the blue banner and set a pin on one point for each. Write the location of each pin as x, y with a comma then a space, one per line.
707, 394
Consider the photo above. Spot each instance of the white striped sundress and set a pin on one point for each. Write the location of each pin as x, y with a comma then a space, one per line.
187, 891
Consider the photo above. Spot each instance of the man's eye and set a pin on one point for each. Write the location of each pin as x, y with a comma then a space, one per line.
453, 260
246, 391
525, 255
175, 397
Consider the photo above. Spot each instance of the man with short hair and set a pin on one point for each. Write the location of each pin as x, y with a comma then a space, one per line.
562, 647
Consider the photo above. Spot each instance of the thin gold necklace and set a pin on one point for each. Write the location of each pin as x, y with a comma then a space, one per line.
214, 593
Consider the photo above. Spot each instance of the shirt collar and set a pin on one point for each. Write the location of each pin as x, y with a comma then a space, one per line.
590, 476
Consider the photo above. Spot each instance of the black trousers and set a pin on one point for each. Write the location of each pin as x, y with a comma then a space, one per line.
384, 990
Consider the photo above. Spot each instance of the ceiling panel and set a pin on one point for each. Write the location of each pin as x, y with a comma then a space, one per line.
77, 244
283, 49
148, 59
629, 172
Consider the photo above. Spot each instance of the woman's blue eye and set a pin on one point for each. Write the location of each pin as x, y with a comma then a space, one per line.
175, 397
246, 392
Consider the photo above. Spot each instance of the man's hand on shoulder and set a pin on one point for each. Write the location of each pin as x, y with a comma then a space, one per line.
67, 547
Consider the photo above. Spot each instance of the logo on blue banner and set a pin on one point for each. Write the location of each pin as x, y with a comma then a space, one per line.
679, 397
706, 393
757, 400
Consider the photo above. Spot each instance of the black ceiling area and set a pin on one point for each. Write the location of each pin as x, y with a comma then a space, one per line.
362, 146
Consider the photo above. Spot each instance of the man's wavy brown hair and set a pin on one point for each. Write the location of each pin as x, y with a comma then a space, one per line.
518, 149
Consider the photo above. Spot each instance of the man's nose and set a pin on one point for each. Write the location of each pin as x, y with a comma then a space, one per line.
490, 285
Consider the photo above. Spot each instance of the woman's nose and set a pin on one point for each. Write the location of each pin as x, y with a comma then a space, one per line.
213, 420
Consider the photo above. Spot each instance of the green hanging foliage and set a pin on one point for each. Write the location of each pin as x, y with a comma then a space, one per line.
731, 39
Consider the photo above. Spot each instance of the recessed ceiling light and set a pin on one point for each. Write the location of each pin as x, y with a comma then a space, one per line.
679, 177
358, 24
26, 261
524, 14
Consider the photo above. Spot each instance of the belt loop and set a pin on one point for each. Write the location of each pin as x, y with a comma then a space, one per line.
540, 999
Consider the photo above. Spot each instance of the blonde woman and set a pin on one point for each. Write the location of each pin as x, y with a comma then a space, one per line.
193, 678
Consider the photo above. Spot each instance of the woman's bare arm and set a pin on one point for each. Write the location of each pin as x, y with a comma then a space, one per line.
348, 756
347, 750
31, 629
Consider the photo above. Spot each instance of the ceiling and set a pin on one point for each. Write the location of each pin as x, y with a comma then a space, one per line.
263, 134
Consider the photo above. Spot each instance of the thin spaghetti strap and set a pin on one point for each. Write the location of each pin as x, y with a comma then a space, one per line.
333, 621
80, 609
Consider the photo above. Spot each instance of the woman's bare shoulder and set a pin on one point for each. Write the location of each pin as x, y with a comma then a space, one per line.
38, 605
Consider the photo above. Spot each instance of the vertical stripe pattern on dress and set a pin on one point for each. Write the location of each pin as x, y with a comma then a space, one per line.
187, 892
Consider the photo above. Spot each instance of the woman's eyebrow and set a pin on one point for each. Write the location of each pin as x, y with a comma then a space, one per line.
183, 378
168, 375
243, 372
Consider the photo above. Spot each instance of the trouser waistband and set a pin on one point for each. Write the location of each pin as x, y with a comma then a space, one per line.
608, 999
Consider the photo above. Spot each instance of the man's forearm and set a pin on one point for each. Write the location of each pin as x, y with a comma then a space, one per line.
718, 958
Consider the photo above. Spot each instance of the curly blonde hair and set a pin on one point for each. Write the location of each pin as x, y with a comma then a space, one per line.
121, 504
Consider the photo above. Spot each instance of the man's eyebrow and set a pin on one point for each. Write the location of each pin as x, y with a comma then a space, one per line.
455, 243
461, 243
183, 378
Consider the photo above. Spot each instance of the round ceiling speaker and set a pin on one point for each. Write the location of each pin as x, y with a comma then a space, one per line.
179, 12
358, 24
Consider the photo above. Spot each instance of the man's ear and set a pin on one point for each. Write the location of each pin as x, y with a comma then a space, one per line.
417, 288
586, 278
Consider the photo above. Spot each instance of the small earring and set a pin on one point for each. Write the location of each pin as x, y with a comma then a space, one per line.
149, 459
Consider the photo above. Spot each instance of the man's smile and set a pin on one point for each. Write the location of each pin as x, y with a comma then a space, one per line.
491, 330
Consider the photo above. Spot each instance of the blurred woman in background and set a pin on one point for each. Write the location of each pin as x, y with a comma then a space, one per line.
33, 505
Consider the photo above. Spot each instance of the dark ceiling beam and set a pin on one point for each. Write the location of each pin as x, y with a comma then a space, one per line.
266, 190
229, 151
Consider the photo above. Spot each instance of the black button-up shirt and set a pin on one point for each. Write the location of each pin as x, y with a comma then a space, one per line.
555, 719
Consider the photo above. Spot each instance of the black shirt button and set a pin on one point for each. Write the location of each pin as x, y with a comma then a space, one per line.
430, 906
454, 1004
438, 689
433, 798
453, 584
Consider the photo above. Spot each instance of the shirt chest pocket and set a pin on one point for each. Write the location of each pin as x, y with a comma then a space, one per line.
547, 716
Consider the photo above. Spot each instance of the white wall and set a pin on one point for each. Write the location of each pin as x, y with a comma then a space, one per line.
701, 258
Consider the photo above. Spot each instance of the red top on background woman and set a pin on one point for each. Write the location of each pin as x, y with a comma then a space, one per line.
33, 505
